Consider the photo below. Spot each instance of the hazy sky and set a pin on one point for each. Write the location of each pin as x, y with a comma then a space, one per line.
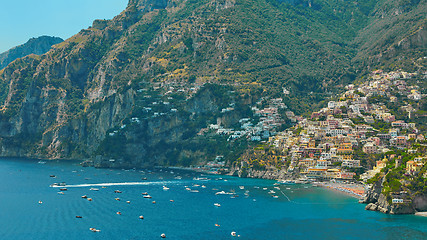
21, 20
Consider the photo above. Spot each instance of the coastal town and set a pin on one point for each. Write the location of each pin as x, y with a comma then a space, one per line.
357, 135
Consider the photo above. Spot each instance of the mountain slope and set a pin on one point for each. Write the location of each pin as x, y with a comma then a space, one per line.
153, 62
36, 46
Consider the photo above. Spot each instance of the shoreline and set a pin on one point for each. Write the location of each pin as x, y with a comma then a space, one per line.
354, 190
421, 214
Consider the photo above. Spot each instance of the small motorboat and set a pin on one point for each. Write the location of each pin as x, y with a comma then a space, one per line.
275, 196
40, 202
217, 225
163, 235
117, 199
144, 178
84, 196
128, 202
165, 188
141, 217
117, 191
217, 205
52, 176
147, 196
60, 192
233, 234
89, 199
144, 193
94, 189
63, 189
154, 202
171, 200
119, 213
94, 230
79, 217
242, 187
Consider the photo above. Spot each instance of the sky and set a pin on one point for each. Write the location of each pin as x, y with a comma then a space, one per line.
21, 20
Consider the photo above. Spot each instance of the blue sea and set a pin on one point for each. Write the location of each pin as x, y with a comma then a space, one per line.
31, 209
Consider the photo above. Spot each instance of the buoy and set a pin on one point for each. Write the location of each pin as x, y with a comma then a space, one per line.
163, 235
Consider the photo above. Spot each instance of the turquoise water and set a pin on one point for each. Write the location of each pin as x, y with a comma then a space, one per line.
312, 213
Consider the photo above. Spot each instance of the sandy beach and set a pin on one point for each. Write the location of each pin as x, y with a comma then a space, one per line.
355, 190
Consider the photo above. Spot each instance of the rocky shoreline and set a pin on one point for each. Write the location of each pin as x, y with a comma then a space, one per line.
376, 200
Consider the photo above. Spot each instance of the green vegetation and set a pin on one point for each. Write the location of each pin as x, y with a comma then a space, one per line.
239, 53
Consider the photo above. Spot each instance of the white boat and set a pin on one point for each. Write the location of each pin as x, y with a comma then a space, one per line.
201, 179
224, 193
217, 205
94, 189
165, 188
233, 234
242, 187
147, 196
271, 191
287, 182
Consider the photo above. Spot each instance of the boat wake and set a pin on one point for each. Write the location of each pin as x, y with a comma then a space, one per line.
115, 184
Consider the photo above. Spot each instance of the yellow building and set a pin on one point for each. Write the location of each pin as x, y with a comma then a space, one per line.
413, 167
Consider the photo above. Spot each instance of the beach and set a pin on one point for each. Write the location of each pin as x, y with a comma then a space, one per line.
355, 190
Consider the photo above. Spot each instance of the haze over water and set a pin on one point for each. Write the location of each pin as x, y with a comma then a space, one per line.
311, 213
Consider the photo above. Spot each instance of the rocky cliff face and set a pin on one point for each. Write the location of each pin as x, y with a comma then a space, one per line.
38, 46
376, 200
243, 170
131, 89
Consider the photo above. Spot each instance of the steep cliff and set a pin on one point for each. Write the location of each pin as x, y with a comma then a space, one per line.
135, 89
38, 46
378, 199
